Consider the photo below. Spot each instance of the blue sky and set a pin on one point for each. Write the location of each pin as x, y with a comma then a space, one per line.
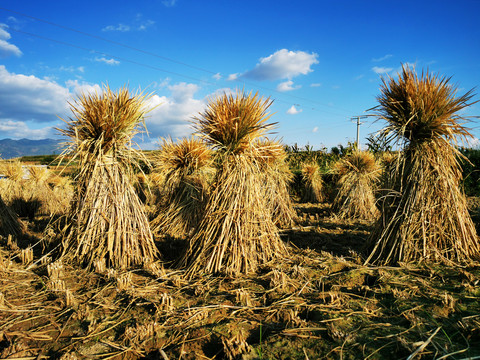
320, 61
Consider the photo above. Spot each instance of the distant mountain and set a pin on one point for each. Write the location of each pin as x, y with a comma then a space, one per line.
24, 147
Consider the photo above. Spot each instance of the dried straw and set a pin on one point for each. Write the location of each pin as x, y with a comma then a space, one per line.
358, 174
424, 216
272, 158
237, 233
187, 170
9, 222
313, 183
107, 220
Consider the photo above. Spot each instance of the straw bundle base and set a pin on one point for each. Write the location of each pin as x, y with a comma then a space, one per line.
108, 223
426, 218
237, 233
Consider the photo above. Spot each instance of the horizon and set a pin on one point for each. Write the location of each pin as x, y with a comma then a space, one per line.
320, 62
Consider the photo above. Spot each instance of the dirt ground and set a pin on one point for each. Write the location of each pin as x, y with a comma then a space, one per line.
320, 302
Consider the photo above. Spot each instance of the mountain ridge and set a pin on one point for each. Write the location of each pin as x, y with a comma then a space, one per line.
10, 148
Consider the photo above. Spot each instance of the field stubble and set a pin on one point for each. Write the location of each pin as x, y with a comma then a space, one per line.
320, 303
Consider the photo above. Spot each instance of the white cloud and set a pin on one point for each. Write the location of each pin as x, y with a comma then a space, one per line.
145, 25
473, 143
388, 56
137, 24
72, 69
6, 48
107, 61
169, 3
20, 129
287, 86
217, 76
293, 110
76, 88
381, 70
283, 64
119, 27
315, 85
171, 116
315, 129
232, 77
28, 98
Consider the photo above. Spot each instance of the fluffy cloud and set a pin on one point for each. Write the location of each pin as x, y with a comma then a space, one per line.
21, 129
283, 64
381, 70
107, 61
28, 98
6, 48
77, 88
30, 106
315, 129
287, 86
293, 110
171, 115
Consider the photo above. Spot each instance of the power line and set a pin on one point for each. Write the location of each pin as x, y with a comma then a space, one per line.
154, 55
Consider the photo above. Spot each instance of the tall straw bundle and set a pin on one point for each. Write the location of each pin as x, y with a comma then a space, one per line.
107, 221
358, 174
236, 233
313, 183
187, 170
277, 177
425, 216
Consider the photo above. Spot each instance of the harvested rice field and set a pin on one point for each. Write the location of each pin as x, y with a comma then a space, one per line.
229, 245
320, 302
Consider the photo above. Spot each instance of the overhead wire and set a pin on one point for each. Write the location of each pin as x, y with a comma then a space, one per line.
157, 56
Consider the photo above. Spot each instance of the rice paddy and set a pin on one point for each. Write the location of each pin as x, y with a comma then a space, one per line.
215, 251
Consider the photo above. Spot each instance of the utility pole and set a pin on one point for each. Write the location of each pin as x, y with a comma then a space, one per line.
357, 143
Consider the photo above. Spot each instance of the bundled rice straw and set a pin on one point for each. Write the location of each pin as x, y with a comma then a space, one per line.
272, 158
236, 233
107, 220
9, 222
425, 216
313, 183
187, 170
358, 174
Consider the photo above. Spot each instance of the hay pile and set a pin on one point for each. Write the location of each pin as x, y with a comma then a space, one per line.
313, 183
237, 232
107, 223
358, 174
424, 216
272, 158
9, 222
186, 168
